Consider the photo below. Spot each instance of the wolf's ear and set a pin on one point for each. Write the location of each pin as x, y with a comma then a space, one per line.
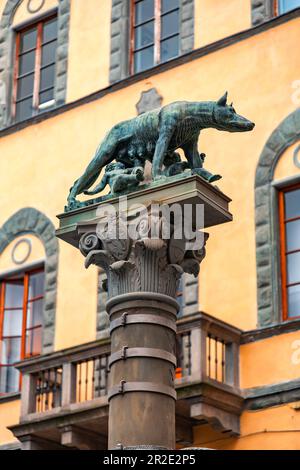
223, 101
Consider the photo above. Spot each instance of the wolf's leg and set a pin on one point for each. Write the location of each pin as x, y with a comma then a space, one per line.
160, 151
104, 155
192, 155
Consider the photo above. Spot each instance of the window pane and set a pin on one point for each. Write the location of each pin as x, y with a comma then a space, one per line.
36, 285
25, 86
49, 53
14, 294
287, 5
47, 77
28, 40
12, 324
46, 96
293, 235
292, 204
50, 30
27, 63
144, 35
169, 48
9, 380
169, 5
144, 10
24, 109
33, 342
293, 265
11, 350
144, 59
34, 313
170, 24
294, 301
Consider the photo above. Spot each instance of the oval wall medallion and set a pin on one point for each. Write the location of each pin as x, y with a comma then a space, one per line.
21, 251
297, 157
33, 6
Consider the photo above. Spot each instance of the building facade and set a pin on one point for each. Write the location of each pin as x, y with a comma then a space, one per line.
69, 70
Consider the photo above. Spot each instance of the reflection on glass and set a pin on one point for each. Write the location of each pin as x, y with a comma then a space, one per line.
169, 49
10, 350
144, 59
36, 285
144, 11
292, 204
293, 268
25, 86
14, 294
34, 313
170, 24
27, 63
144, 35
9, 380
28, 40
50, 30
33, 342
12, 323
168, 5
287, 5
294, 301
293, 235
48, 53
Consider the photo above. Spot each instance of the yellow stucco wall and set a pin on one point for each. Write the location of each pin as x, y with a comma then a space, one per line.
278, 358
214, 22
9, 415
89, 47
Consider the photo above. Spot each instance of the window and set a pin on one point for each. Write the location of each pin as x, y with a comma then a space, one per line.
21, 309
289, 209
154, 33
34, 74
283, 6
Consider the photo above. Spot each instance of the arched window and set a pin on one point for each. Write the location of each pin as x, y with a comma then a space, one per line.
277, 206
28, 281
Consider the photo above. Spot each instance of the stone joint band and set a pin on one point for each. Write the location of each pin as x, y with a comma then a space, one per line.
126, 387
152, 353
127, 319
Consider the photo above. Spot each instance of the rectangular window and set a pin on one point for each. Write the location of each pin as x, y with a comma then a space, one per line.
21, 313
283, 6
34, 75
154, 33
289, 211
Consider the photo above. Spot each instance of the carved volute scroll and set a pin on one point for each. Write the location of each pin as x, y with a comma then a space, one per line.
142, 263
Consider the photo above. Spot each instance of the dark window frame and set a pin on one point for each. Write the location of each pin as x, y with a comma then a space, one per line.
157, 18
284, 252
38, 23
25, 275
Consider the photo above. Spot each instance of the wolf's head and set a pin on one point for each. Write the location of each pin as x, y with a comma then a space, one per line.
225, 118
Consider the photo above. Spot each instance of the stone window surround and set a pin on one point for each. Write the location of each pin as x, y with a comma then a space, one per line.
30, 220
266, 220
7, 36
120, 29
263, 10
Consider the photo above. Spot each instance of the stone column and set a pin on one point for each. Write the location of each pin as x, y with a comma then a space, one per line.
142, 279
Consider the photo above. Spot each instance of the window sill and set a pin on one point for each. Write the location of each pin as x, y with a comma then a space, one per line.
10, 397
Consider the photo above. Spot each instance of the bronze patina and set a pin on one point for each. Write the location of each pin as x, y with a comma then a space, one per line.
155, 136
